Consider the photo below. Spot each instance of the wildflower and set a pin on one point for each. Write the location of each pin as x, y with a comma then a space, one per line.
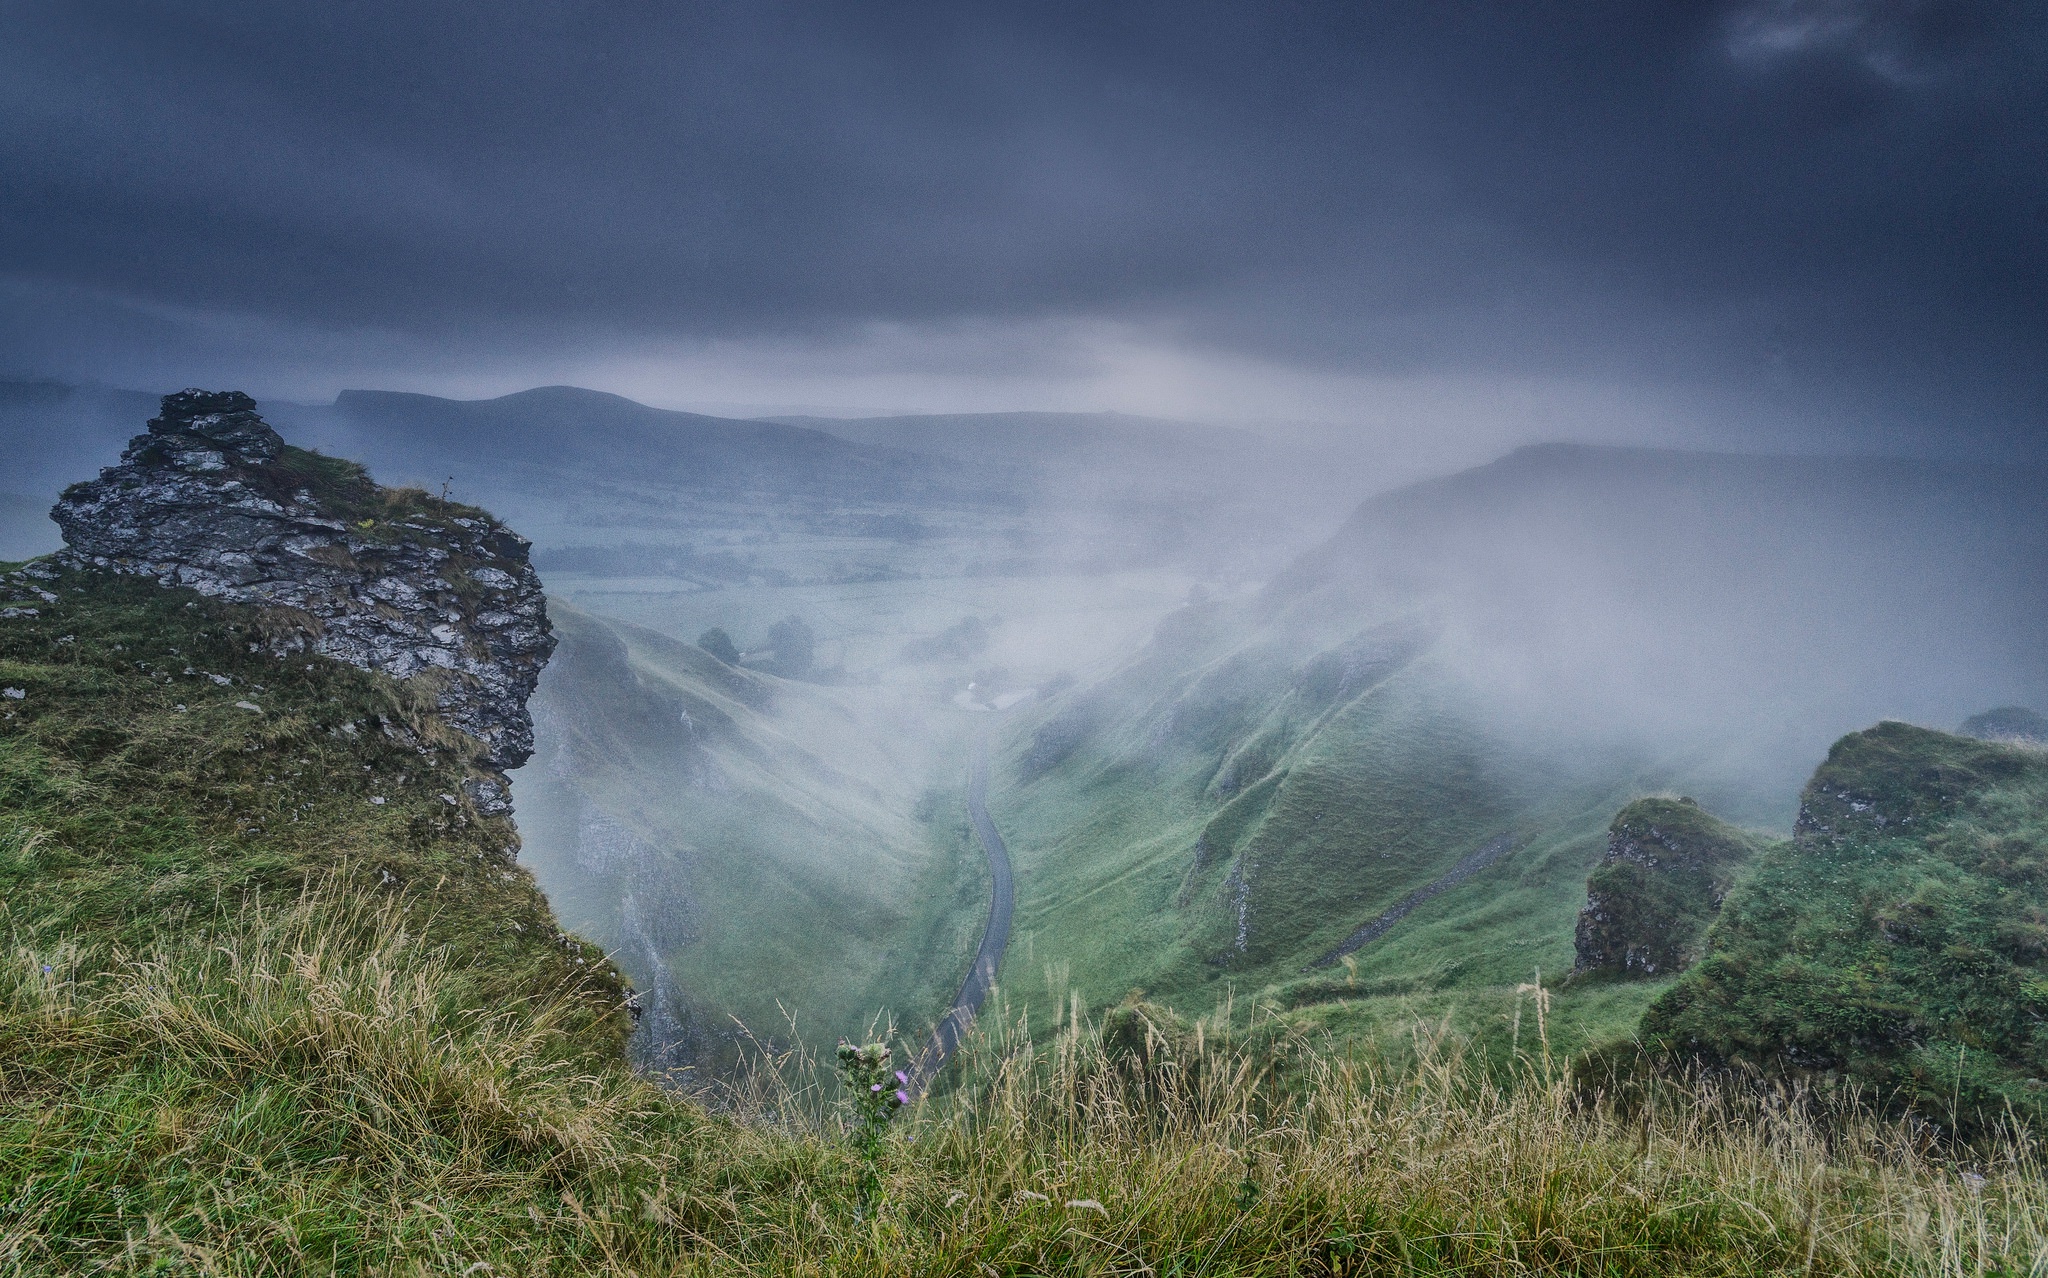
903, 1078
902, 1097
874, 1087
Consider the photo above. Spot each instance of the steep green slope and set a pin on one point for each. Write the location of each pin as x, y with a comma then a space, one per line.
748, 845
1403, 758
157, 777
1220, 822
1900, 940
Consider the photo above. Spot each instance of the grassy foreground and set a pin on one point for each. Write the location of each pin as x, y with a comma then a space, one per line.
300, 1095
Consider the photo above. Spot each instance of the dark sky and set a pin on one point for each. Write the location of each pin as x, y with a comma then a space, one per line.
1801, 219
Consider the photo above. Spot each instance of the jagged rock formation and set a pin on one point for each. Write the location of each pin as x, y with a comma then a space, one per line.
1899, 940
2013, 725
395, 581
1649, 903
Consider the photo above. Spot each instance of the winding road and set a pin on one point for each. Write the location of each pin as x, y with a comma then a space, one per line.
994, 937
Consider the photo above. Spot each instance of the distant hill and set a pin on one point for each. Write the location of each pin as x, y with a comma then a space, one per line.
557, 429
585, 469
1677, 592
1139, 489
1034, 439
25, 527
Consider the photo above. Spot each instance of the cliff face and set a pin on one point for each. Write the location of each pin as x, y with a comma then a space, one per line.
393, 581
1648, 905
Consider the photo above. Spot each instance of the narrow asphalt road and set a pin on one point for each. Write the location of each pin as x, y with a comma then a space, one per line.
994, 937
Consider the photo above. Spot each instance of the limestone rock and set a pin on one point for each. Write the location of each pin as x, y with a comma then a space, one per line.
391, 580
1648, 905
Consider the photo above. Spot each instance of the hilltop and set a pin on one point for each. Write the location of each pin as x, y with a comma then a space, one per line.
1899, 940
597, 435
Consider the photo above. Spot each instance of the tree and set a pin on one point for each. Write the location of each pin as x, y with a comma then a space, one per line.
720, 645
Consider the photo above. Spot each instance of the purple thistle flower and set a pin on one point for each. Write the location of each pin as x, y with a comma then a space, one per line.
874, 1087
902, 1098
902, 1077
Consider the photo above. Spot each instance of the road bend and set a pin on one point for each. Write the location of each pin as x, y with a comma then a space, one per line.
994, 937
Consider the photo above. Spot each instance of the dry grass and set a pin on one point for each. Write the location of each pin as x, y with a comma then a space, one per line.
298, 1095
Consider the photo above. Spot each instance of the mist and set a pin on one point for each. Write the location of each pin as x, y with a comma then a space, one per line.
1617, 400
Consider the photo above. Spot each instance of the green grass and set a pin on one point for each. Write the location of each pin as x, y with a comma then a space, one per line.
140, 794
302, 1096
1899, 942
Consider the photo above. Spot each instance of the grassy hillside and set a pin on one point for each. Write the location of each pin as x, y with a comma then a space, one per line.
1899, 941
1222, 822
157, 778
751, 847
1389, 778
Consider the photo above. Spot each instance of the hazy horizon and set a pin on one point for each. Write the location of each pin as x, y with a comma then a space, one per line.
1761, 225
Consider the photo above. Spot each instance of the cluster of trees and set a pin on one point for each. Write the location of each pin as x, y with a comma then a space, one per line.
790, 650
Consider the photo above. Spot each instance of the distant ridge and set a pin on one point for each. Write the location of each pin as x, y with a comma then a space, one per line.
1029, 438
600, 434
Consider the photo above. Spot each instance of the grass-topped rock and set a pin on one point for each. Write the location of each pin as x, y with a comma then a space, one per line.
1668, 866
384, 579
158, 779
1899, 941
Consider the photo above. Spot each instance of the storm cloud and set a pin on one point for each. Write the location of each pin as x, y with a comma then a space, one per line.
1817, 211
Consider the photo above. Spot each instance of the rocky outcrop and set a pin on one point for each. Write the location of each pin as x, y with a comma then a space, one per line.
390, 580
1649, 903
2010, 725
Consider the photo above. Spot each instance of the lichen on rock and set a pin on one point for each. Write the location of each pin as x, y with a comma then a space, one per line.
389, 580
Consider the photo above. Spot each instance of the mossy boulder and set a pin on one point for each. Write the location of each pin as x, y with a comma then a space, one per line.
1898, 942
1669, 864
